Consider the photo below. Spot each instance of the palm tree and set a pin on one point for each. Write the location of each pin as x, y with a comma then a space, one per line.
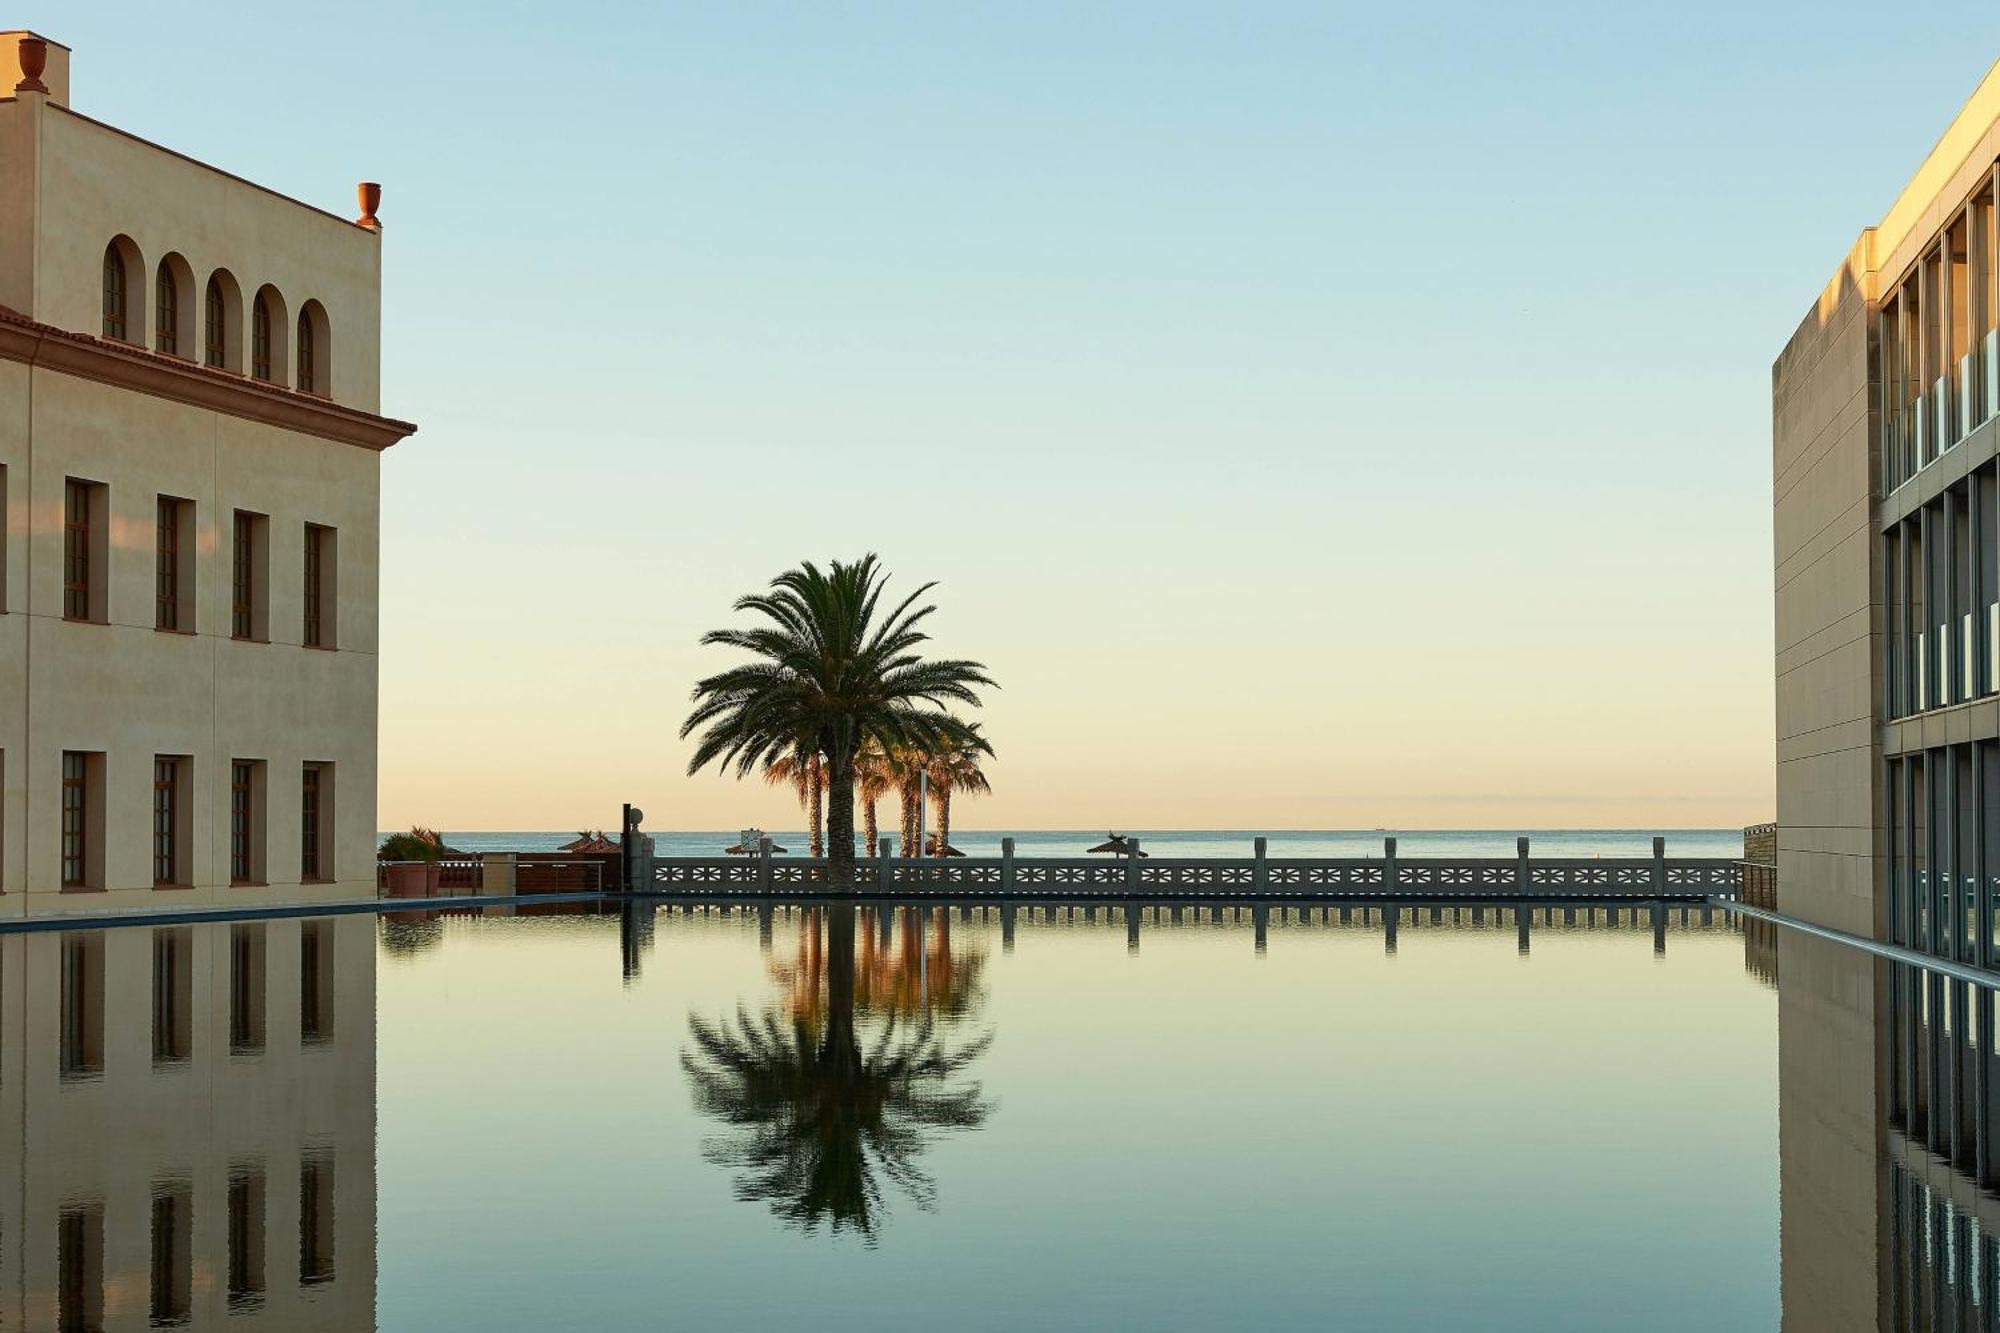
820, 1122
806, 774
829, 664
951, 768
874, 776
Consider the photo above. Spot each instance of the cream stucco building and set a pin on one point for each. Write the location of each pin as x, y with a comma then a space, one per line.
190, 448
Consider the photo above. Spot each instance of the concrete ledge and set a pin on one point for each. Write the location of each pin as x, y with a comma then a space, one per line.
347, 907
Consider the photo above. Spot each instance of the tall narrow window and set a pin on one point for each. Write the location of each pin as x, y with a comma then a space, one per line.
114, 292
246, 823
311, 809
167, 311
249, 558
214, 325
260, 338
173, 994
75, 819
170, 811
307, 381
80, 547
319, 586
173, 582
315, 981
246, 988
3, 537
173, 1255
315, 1220
245, 1275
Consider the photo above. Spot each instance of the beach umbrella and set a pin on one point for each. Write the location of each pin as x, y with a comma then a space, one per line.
1117, 846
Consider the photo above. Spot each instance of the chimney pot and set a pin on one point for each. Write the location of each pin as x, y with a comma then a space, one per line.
370, 195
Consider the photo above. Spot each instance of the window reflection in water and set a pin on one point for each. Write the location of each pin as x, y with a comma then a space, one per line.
1886, 1124
153, 1176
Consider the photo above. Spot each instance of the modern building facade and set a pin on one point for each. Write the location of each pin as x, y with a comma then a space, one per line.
1886, 420
190, 448
1886, 410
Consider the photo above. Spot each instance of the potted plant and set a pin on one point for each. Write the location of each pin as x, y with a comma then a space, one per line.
410, 863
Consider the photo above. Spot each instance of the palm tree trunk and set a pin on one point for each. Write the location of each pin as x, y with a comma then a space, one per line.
840, 823
944, 821
908, 799
868, 827
816, 795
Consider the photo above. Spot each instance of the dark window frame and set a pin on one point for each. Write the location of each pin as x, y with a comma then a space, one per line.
79, 536
167, 776
115, 286
166, 311
75, 819
260, 338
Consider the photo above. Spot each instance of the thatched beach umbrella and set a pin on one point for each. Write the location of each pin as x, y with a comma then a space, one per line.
932, 848
749, 843
596, 844
1118, 846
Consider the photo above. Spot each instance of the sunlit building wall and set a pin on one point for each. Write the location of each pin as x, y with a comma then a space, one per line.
1886, 413
190, 445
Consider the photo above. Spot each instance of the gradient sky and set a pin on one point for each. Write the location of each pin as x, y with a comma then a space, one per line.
1316, 416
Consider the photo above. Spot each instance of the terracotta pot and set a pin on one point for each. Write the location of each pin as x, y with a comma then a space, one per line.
34, 59
410, 879
370, 195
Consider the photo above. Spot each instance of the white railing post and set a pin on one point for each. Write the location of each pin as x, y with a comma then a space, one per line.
1260, 877
1659, 865
1521, 876
885, 869
764, 865
1132, 864
1389, 864
1006, 865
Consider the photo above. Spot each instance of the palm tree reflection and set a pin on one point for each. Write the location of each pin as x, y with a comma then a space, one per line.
829, 1103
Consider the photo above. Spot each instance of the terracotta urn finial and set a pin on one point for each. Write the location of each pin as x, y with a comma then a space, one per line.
34, 59
370, 195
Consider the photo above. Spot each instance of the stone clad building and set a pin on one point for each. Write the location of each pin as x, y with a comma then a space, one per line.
1884, 410
190, 454
1886, 418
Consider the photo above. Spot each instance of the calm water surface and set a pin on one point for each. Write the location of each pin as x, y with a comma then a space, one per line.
760, 1128
852, 1119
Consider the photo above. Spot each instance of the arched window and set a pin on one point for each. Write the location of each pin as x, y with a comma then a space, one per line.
314, 348
114, 292
260, 338
307, 382
167, 311
212, 325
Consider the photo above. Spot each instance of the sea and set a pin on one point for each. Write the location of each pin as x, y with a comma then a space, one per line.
1610, 842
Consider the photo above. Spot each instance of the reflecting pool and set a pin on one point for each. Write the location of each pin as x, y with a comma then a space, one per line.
1079, 1116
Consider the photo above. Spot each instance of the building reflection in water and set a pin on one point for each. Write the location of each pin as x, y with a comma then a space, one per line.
1886, 1133
190, 1126
830, 1094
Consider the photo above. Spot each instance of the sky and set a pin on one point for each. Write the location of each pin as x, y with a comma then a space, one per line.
1315, 416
